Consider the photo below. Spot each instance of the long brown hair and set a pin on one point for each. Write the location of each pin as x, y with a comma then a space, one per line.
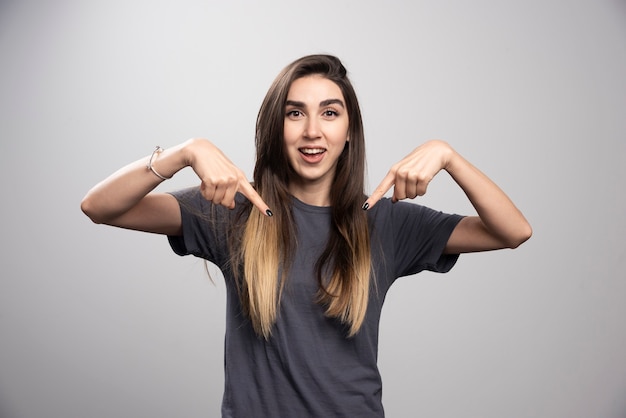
267, 246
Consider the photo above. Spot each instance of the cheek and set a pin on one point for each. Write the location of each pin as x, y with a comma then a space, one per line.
289, 143
289, 134
340, 134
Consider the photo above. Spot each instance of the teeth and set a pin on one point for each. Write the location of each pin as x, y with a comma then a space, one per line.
312, 151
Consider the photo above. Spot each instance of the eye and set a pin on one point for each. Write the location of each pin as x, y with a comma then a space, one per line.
330, 113
294, 114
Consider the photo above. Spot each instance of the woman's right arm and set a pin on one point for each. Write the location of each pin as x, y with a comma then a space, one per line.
124, 199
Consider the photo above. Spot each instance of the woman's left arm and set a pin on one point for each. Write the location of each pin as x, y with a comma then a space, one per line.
499, 223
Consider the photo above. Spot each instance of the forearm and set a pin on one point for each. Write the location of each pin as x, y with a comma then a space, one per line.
499, 215
122, 190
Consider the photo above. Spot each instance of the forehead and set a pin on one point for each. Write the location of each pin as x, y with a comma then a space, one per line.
314, 88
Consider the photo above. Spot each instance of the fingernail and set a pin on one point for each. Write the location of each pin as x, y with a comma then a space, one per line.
269, 213
365, 206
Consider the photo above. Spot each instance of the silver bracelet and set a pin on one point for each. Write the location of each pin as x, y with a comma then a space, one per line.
155, 153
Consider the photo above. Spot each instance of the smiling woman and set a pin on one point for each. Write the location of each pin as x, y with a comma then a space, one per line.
309, 257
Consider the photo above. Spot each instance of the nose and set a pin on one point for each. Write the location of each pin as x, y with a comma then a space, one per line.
312, 128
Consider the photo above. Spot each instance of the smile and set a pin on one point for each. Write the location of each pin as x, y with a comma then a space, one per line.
312, 151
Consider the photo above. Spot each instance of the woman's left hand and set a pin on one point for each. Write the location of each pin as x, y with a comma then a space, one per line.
499, 223
410, 176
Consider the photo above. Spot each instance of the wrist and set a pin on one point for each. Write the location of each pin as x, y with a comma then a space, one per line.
190, 149
150, 166
449, 157
165, 162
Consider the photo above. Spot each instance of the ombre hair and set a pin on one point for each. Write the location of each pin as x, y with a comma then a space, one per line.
266, 247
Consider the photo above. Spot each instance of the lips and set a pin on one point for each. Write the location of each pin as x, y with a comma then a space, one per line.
312, 155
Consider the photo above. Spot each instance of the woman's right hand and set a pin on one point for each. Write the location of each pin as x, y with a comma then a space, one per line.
124, 198
220, 178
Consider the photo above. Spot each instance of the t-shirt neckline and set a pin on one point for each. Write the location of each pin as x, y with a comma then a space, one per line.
309, 208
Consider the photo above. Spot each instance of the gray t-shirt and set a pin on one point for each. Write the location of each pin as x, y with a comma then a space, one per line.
309, 368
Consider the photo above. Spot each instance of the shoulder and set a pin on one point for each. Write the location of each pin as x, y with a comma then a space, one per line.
193, 204
401, 218
385, 210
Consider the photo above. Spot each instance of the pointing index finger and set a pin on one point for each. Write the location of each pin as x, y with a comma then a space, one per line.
248, 191
380, 191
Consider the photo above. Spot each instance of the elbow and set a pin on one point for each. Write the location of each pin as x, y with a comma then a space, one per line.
520, 236
90, 209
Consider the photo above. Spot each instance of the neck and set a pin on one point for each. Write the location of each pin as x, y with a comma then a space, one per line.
314, 195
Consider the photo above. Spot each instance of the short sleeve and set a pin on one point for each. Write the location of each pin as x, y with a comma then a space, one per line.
413, 237
204, 227
421, 235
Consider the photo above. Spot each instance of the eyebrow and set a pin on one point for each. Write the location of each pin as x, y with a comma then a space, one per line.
323, 103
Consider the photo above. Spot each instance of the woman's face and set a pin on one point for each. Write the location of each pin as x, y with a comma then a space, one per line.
315, 134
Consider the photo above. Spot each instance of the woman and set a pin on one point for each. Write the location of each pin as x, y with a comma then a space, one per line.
307, 256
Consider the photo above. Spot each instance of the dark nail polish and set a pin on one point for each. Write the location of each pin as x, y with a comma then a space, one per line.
365, 206
269, 213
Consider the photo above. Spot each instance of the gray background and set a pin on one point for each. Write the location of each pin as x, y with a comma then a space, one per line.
100, 322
